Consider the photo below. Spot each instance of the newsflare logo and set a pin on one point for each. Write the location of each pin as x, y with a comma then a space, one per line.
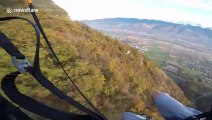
9, 10
20, 10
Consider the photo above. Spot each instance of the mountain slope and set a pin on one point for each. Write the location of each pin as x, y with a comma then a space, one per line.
179, 33
187, 46
114, 76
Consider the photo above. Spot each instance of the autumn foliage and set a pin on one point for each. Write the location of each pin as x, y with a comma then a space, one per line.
111, 77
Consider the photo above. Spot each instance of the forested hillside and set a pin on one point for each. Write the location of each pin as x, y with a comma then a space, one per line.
114, 76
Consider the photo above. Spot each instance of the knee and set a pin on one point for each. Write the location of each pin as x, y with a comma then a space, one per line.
155, 93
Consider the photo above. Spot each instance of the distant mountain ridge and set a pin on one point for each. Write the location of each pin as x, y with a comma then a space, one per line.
134, 20
173, 32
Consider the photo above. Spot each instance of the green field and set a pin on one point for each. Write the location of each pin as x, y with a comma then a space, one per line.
157, 55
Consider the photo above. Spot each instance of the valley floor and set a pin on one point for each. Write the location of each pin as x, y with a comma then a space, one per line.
190, 68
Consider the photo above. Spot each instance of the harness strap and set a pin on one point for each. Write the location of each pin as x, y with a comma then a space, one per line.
58, 61
9, 112
10, 89
37, 74
9, 47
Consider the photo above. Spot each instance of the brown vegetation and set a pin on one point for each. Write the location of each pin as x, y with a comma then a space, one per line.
113, 80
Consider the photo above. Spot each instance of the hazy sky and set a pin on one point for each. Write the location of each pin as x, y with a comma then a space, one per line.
191, 11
